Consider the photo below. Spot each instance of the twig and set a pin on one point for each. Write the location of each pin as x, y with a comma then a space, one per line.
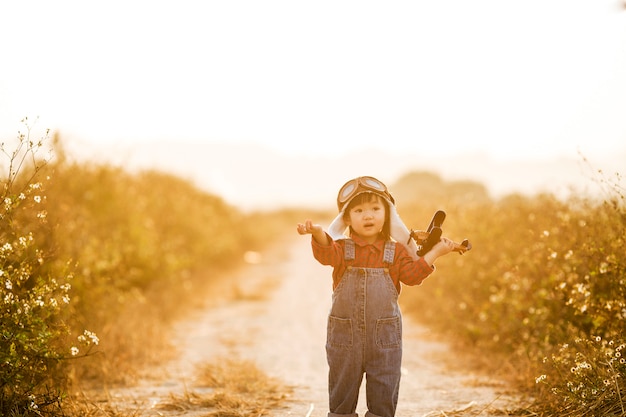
619, 394
458, 410
488, 405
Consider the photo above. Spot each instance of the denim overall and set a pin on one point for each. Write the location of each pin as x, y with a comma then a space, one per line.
364, 336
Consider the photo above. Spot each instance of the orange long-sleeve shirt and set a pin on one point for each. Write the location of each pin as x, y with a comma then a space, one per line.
404, 269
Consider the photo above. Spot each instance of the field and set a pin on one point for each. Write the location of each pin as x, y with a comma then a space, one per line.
95, 260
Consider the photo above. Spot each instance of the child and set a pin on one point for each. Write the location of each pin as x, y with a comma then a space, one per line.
364, 334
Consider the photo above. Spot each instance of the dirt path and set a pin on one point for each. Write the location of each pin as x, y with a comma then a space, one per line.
284, 334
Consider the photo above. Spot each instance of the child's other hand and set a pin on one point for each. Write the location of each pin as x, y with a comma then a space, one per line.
308, 227
443, 247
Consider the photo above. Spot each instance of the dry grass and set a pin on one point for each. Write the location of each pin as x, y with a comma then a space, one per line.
89, 406
231, 388
224, 388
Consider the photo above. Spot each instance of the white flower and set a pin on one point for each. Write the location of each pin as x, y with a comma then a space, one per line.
92, 336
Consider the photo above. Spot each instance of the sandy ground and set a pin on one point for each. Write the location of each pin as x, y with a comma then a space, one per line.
284, 332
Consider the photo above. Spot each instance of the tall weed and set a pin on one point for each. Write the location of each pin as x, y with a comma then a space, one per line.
543, 287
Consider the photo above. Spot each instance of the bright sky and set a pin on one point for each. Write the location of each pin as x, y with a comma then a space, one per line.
508, 79
501, 76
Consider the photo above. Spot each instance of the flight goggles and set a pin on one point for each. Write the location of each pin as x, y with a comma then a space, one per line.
362, 185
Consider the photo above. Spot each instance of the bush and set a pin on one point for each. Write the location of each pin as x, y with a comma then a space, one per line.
34, 330
543, 287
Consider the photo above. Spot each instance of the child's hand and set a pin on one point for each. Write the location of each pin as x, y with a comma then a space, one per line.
443, 247
308, 227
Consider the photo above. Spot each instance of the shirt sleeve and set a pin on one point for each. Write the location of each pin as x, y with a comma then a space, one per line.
327, 254
411, 272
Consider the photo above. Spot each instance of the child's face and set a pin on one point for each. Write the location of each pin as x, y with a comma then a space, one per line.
368, 218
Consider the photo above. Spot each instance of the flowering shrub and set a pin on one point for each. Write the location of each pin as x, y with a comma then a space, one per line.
585, 378
33, 338
545, 279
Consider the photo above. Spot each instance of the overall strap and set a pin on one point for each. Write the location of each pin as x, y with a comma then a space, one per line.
390, 252
349, 250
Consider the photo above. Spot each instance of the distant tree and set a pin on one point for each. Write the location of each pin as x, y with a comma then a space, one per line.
429, 189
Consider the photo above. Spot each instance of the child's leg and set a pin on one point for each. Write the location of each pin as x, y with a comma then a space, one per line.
383, 383
344, 380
